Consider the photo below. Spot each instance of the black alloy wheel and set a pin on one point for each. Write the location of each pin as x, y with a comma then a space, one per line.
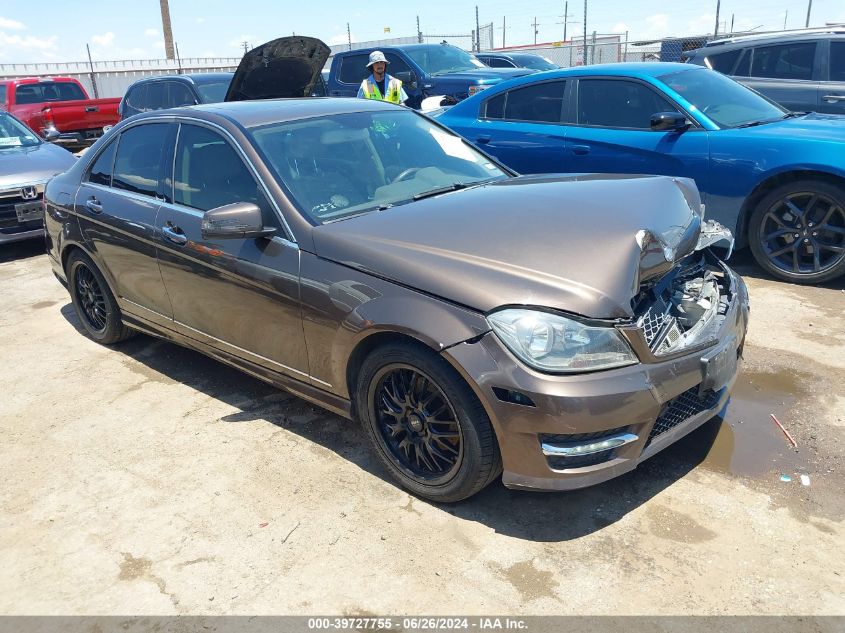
93, 301
91, 298
417, 422
798, 232
426, 424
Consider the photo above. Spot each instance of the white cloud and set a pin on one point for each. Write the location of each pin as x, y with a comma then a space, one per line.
620, 27
702, 24
238, 42
30, 42
200, 20
158, 44
209, 54
151, 33
340, 38
13, 25
104, 40
658, 21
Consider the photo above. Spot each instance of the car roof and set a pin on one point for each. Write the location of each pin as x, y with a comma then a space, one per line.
769, 38
250, 114
195, 78
625, 69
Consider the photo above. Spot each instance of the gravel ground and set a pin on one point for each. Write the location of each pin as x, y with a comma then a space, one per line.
148, 479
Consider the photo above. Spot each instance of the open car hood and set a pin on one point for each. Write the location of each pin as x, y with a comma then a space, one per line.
285, 67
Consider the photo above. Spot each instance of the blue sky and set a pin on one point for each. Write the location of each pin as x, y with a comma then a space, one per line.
52, 30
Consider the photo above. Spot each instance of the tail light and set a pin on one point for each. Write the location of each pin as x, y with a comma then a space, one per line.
47, 120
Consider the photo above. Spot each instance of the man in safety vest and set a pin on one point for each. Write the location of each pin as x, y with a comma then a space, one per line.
379, 85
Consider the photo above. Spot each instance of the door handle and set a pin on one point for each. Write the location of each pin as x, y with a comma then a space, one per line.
93, 205
833, 98
581, 150
91, 108
482, 139
174, 234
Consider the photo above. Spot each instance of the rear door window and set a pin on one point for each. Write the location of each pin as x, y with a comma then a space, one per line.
541, 103
396, 64
619, 104
156, 97
179, 95
784, 61
101, 170
138, 166
496, 62
837, 61
135, 101
353, 69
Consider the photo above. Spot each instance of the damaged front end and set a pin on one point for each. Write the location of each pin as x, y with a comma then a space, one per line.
684, 308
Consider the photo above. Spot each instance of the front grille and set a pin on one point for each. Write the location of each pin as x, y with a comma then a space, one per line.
682, 408
9, 217
651, 323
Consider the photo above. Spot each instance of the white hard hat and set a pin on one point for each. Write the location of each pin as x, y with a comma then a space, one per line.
377, 56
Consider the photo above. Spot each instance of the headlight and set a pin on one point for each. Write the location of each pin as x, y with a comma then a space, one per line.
476, 89
553, 343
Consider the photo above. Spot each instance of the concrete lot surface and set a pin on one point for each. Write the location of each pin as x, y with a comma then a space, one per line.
148, 479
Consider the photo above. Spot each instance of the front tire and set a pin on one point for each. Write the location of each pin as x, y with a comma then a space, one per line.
426, 424
94, 303
797, 232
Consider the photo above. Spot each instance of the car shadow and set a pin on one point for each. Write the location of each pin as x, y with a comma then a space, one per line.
532, 516
24, 249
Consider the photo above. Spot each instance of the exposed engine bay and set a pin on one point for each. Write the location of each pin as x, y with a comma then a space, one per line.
686, 307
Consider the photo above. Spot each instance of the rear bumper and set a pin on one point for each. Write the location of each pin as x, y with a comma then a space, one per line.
657, 402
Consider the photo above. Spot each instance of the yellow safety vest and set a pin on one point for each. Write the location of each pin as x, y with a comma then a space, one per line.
394, 90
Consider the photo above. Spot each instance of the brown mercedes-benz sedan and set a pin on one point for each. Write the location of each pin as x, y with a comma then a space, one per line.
358, 254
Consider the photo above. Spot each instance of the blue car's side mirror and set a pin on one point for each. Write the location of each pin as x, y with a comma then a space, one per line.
669, 121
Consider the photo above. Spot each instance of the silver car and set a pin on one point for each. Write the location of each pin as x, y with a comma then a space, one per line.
26, 164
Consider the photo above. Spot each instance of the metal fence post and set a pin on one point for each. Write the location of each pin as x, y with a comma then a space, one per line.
93, 74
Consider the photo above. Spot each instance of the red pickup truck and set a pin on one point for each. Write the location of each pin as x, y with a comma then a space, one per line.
58, 109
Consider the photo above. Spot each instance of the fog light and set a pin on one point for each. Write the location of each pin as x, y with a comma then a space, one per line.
573, 450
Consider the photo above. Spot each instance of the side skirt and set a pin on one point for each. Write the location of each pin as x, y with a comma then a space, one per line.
314, 395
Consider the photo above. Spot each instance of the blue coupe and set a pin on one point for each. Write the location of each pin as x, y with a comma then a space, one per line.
775, 178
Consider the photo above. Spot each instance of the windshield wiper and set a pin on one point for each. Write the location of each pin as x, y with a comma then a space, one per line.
755, 123
791, 115
440, 190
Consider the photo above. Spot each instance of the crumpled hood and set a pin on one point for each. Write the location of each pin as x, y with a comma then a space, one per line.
22, 165
582, 244
285, 67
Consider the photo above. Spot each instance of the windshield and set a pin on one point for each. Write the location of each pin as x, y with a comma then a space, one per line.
535, 61
722, 100
15, 134
213, 92
339, 166
440, 59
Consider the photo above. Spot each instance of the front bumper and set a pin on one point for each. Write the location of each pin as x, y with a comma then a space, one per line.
658, 402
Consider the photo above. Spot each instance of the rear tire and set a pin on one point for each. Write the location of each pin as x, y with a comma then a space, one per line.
797, 232
95, 305
426, 424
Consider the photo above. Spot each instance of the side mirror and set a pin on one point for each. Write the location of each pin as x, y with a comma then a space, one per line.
51, 135
669, 121
407, 77
238, 220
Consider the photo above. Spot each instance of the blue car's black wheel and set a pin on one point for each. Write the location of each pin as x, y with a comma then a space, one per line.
797, 232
